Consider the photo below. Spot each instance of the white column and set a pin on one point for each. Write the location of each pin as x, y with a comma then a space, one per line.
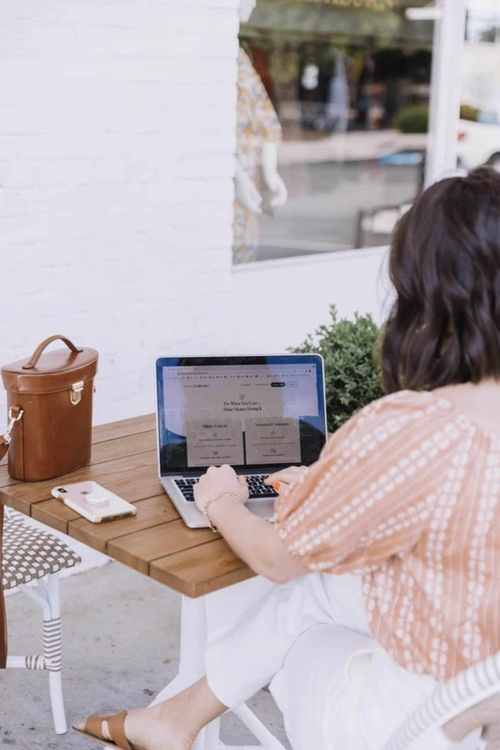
446, 79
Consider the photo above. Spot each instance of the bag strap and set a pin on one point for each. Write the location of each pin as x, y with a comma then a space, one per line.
15, 414
4, 447
38, 351
3, 618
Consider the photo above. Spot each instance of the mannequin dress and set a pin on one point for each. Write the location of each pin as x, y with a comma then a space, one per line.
257, 122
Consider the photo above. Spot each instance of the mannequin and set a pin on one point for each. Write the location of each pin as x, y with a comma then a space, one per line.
258, 135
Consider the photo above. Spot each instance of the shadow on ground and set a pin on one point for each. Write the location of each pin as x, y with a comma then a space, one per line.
120, 647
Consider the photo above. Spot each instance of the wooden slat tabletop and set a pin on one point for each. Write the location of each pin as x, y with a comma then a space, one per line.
155, 542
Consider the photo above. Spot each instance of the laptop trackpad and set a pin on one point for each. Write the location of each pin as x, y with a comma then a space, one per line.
262, 507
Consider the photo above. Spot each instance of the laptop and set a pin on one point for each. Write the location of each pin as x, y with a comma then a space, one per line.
259, 414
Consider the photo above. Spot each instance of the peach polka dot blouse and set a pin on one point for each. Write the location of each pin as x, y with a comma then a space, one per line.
407, 495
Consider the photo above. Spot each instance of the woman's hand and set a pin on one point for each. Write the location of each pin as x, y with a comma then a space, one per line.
246, 191
219, 479
253, 539
284, 480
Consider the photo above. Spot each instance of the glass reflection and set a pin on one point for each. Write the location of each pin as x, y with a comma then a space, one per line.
343, 93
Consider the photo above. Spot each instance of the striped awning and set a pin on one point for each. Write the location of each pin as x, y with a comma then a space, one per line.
328, 18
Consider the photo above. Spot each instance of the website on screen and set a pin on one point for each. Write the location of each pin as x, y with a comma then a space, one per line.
240, 414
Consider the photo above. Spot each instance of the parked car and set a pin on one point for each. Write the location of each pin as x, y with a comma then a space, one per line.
478, 143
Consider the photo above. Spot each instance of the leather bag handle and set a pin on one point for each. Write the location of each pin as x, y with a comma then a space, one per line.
38, 351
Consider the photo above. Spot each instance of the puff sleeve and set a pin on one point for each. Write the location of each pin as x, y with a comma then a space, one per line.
371, 493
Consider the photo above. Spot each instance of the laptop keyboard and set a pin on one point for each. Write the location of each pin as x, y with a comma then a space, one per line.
255, 482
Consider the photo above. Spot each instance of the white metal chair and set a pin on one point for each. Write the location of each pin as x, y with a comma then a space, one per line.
448, 701
30, 554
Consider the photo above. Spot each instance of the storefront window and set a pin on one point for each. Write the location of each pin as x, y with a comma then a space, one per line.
479, 136
337, 92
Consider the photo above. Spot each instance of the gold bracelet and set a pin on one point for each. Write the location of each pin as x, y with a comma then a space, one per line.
224, 493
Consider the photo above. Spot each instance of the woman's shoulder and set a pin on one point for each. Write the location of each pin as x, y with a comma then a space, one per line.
399, 421
405, 407
401, 400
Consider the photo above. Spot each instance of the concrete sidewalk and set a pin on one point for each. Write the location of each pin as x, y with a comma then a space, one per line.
120, 647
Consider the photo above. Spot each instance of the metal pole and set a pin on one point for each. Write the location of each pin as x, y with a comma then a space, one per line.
446, 79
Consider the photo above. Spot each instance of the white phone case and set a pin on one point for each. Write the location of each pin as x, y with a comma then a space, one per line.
103, 505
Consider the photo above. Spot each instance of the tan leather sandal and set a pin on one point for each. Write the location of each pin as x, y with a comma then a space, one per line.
116, 723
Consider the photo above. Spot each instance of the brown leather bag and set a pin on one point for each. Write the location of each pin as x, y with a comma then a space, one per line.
50, 411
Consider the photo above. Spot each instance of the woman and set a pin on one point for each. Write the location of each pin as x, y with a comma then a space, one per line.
387, 547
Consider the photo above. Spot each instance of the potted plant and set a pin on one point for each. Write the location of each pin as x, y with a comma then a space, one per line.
348, 348
413, 119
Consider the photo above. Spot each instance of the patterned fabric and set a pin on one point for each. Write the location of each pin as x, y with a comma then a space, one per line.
407, 495
29, 553
257, 121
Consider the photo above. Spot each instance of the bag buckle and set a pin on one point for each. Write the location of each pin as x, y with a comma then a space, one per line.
13, 418
76, 392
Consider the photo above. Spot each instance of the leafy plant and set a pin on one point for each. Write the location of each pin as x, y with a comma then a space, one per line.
468, 112
348, 348
412, 120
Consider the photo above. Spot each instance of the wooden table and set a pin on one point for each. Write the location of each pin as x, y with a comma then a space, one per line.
155, 542
195, 562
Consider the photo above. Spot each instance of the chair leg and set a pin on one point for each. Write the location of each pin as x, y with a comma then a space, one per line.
258, 729
48, 597
52, 652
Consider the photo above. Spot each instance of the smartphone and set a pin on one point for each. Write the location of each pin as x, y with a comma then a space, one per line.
93, 502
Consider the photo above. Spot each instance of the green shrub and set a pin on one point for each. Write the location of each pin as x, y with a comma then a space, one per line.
412, 120
351, 375
467, 112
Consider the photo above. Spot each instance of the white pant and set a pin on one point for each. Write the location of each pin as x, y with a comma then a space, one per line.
336, 686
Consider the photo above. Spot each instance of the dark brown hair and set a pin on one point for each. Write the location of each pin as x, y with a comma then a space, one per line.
445, 266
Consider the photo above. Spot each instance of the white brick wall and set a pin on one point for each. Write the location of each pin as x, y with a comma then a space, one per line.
117, 122
117, 134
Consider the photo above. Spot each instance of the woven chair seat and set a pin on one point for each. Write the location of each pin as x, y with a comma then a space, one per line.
29, 553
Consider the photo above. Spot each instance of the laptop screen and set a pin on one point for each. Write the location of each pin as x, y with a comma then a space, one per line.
249, 412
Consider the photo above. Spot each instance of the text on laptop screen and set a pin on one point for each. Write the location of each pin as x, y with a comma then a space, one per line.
252, 414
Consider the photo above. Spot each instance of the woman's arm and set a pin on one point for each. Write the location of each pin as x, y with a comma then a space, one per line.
253, 539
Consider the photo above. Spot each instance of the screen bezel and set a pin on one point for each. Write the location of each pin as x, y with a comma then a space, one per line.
265, 359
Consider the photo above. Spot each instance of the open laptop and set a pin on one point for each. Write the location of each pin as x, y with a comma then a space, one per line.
258, 414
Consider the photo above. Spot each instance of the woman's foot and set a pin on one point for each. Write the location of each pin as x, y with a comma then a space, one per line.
172, 724
150, 729
147, 729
